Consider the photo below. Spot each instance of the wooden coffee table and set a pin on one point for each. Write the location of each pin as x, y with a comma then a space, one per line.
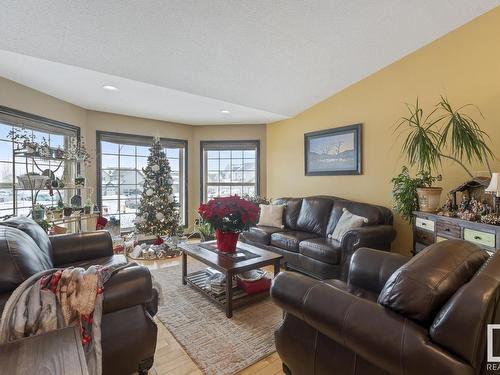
232, 298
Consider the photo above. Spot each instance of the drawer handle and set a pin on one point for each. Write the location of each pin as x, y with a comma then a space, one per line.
477, 238
447, 230
424, 224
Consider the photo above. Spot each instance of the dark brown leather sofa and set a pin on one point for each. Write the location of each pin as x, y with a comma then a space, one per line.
304, 241
128, 330
427, 315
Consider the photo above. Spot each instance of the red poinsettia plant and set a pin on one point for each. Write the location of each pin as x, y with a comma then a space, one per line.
229, 214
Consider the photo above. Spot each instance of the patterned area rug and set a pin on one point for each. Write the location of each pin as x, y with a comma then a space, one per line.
217, 344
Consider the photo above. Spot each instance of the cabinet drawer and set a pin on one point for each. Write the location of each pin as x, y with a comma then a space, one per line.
424, 224
448, 229
479, 237
424, 237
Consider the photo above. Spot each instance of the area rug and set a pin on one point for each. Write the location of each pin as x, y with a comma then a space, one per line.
217, 344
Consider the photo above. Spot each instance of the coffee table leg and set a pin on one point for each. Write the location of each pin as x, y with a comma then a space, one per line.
184, 267
229, 294
276, 267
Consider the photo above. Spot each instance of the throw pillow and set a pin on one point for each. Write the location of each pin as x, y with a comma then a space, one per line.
347, 222
271, 215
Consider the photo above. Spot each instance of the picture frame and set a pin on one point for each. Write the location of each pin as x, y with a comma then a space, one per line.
333, 152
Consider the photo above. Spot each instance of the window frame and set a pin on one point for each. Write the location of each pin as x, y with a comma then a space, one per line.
21, 119
203, 163
147, 140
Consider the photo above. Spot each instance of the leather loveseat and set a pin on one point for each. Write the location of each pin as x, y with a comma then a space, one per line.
303, 241
427, 315
128, 330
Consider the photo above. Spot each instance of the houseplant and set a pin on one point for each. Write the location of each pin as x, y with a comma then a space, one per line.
228, 216
445, 133
204, 229
405, 188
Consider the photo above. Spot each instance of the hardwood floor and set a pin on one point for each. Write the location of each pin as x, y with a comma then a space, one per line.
170, 357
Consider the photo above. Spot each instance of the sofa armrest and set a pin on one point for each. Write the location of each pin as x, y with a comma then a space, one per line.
128, 287
69, 248
373, 236
370, 269
381, 336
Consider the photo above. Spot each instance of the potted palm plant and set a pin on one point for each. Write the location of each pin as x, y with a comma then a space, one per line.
445, 133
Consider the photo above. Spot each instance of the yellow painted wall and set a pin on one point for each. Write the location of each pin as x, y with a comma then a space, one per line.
22, 98
464, 65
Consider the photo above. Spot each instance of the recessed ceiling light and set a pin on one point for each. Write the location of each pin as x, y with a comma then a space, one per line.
225, 111
109, 88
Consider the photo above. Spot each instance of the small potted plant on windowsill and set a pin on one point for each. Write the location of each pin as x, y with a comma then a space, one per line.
38, 212
445, 133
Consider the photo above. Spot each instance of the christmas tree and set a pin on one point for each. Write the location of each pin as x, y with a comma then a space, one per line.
158, 211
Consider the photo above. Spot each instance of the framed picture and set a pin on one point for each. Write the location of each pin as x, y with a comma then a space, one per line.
333, 152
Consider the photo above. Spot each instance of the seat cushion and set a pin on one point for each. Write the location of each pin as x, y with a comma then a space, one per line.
422, 286
322, 249
289, 240
112, 260
354, 290
260, 234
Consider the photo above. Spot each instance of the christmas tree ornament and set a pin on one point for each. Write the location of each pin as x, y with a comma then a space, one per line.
149, 192
159, 216
155, 167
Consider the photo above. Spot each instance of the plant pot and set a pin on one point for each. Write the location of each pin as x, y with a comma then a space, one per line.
68, 211
86, 210
429, 198
226, 241
38, 214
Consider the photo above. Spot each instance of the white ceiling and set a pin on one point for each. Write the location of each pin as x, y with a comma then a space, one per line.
185, 61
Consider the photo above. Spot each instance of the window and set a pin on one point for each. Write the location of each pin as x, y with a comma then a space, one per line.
229, 168
121, 158
13, 199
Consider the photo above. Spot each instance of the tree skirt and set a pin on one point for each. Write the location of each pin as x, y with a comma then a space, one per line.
217, 344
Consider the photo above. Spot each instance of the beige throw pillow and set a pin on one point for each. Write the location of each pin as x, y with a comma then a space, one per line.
271, 215
347, 222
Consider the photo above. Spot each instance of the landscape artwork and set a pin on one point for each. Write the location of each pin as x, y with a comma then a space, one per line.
333, 152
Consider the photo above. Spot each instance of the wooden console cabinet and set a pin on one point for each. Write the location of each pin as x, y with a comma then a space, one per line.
431, 228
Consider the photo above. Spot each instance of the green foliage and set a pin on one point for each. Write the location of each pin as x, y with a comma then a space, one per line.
44, 224
205, 230
445, 133
404, 191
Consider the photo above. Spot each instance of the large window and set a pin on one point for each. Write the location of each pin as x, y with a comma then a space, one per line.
121, 158
14, 200
229, 168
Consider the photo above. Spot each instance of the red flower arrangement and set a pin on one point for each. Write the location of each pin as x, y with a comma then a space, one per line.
228, 216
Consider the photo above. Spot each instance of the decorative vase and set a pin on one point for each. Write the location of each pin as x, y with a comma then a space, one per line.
429, 198
226, 241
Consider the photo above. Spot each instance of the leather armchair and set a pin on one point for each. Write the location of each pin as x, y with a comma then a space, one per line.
344, 328
128, 332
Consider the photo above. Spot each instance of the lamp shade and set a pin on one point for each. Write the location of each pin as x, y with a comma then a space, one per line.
494, 186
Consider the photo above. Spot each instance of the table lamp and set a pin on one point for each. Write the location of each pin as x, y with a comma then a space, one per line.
494, 188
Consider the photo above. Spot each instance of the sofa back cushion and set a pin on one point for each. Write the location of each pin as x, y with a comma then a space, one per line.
376, 215
32, 229
314, 215
422, 286
291, 211
461, 324
20, 258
